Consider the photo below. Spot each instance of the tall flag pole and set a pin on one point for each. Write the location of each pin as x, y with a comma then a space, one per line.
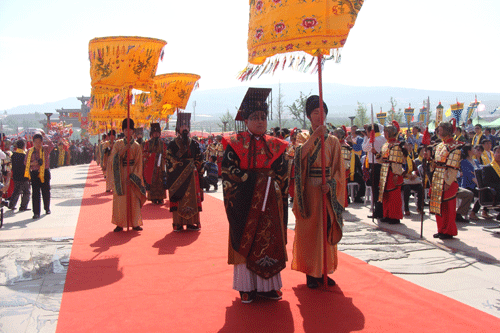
372, 167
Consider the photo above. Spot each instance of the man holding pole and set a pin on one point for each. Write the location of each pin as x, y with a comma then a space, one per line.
127, 182
308, 244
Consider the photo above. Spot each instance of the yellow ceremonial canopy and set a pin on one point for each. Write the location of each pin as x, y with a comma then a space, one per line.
141, 109
172, 91
281, 26
117, 62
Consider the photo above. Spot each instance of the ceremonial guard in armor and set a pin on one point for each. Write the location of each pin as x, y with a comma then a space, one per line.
352, 163
444, 184
154, 153
391, 176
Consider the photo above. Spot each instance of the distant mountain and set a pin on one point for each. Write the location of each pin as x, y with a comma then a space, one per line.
341, 99
67, 103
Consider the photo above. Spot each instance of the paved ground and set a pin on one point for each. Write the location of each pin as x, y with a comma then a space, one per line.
35, 255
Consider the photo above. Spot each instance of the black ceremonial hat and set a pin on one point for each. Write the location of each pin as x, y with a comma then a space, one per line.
255, 100
183, 119
155, 127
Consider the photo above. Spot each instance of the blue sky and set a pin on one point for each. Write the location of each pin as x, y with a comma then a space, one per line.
428, 44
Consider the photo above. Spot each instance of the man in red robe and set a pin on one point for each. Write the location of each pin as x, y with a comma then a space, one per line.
185, 174
154, 154
255, 180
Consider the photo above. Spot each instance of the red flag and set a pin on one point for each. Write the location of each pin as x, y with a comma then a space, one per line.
426, 139
372, 136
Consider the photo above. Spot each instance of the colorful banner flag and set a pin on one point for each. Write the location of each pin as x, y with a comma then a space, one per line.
381, 117
471, 108
409, 112
457, 109
439, 113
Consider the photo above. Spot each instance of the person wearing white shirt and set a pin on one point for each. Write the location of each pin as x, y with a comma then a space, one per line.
374, 160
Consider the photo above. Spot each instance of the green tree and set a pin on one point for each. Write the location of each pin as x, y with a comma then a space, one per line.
298, 109
392, 114
226, 122
361, 116
280, 109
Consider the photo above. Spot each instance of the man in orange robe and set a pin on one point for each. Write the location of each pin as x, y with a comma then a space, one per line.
308, 243
129, 193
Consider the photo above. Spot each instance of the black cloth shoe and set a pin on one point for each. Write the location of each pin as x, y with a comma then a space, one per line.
375, 217
459, 218
436, 235
36, 216
393, 221
23, 209
385, 220
47, 212
273, 294
330, 281
178, 227
118, 229
247, 297
312, 282
445, 236
192, 227
138, 228
358, 200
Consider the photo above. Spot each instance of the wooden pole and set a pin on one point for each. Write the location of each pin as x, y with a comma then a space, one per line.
372, 167
323, 176
127, 189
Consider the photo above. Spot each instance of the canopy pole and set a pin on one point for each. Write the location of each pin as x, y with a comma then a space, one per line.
323, 176
127, 189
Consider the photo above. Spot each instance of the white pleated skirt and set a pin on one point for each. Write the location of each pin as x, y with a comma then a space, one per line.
245, 280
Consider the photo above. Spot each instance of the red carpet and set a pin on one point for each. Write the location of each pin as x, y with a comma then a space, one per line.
160, 281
